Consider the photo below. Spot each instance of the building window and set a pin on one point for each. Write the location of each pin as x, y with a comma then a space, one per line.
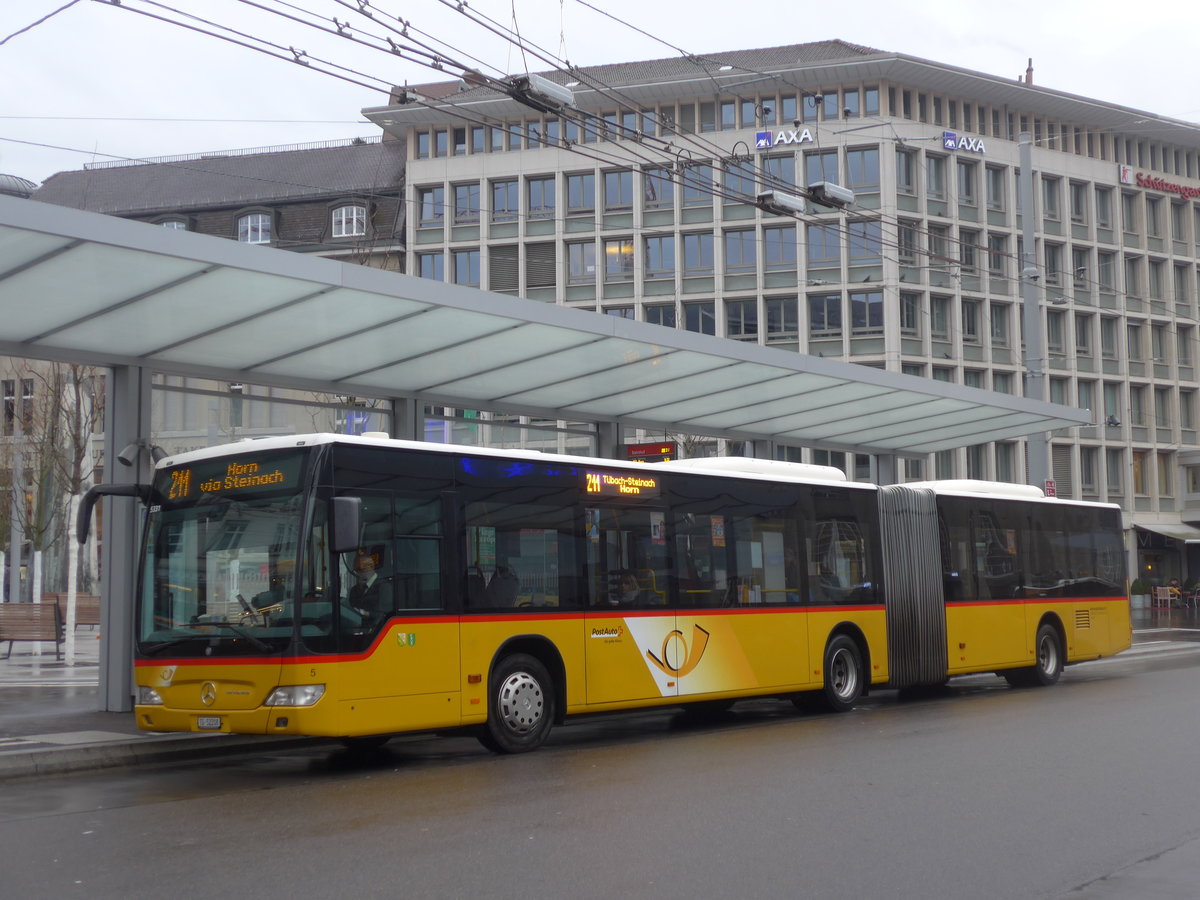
466, 267
935, 177
907, 243
1133, 333
697, 187
866, 312
939, 317
1053, 255
780, 170
741, 252
581, 263
254, 228
910, 313
660, 256
968, 247
466, 203
821, 165
1114, 465
741, 320
661, 315
1104, 207
506, 201
970, 321
1083, 334
740, 182
350, 221
782, 324
431, 266
995, 187
1002, 382
658, 189
862, 170
967, 173
618, 259
1079, 194
1051, 188
174, 224
906, 172
997, 254
999, 324
779, 247
698, 254
1140, 463
700, 316
824, 315
541, 198
581, 194
618, 190
864, 243
1164, 464
431, 203
422, 145
824, 246
1105, 268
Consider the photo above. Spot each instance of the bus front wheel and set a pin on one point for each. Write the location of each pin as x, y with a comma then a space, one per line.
843, 674
520, 706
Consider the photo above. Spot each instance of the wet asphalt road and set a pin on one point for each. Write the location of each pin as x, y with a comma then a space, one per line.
982, 791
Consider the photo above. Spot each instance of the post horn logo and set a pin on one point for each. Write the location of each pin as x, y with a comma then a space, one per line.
690, 655
208, 693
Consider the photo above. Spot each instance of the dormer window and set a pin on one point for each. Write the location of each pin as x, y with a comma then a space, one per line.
349, 221
254, 228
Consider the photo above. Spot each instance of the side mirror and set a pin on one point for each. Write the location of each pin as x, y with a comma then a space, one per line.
346, 522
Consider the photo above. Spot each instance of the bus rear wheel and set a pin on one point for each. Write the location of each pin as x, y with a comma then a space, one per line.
520, 706
1048, 665
843, 674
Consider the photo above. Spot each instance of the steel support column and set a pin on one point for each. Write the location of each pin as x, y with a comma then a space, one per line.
126, 421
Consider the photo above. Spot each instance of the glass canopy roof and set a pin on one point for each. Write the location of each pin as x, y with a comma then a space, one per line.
88, 288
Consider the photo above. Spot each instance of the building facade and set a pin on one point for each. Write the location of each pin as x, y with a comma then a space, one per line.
639, 200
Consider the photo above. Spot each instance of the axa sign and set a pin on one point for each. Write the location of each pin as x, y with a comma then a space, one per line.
765, 140
952, 141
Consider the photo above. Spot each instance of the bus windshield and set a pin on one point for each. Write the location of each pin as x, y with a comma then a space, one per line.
219, 566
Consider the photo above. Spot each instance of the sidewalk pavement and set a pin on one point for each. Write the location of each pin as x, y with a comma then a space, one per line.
51, 722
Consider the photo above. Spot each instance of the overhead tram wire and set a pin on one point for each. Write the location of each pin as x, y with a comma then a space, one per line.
438, 63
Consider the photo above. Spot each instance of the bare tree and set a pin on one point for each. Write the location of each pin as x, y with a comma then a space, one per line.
52, 425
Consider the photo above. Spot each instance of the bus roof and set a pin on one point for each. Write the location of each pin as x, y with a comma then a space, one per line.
727, 466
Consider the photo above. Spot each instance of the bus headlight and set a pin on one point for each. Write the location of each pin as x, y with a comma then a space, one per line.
296, 695
148, 696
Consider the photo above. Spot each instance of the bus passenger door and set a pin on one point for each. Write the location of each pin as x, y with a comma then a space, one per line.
629, 620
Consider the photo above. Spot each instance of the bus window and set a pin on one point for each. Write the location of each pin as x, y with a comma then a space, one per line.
519, 555
767, 569
626, 557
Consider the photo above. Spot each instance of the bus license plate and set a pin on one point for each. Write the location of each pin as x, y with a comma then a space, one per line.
209, 723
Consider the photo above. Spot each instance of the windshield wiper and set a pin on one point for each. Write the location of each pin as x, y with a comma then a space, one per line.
261, 646
154, 651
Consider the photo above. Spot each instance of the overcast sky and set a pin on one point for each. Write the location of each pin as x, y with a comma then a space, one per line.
100, 81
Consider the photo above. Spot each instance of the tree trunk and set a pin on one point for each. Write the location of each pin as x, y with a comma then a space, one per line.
72, 580
36, 591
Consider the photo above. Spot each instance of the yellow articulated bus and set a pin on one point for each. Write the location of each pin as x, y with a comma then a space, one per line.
358, 587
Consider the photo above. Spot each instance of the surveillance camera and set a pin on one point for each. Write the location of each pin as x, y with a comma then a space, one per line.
847, 112
129, 455
796, 123
818, 99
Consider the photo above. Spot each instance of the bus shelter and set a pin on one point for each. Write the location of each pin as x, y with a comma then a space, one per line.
87, 288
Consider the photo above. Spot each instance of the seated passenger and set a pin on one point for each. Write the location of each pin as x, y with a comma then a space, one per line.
502, 589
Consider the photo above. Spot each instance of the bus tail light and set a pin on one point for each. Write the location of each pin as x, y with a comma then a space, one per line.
296, 695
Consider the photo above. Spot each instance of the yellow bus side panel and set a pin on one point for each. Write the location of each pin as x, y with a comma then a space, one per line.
871, 622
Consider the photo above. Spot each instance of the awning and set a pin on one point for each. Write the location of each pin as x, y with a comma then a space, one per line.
1175, 530
88, 288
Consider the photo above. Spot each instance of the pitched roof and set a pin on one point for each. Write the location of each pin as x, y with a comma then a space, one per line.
239, 179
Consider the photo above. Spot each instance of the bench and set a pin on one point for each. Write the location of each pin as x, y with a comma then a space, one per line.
87, 608
31, 622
